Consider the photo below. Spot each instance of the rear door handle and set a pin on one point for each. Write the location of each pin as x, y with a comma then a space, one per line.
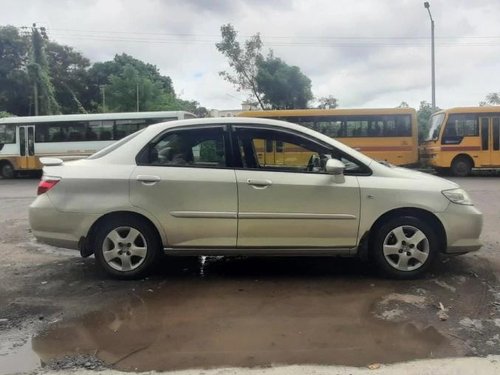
148, 179
259, 184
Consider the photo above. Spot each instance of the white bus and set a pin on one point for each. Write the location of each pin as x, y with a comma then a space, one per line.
23, 140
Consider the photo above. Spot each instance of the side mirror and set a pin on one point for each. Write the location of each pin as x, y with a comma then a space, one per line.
334, 166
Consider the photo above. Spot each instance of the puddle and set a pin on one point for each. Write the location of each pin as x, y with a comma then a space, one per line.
16, 355
245, 313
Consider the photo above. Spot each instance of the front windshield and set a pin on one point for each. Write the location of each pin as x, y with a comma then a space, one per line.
435, 122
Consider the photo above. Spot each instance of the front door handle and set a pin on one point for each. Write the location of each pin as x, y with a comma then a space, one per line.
259, 184
148, 179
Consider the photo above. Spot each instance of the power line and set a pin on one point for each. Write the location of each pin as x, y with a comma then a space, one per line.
275, 41
277, 36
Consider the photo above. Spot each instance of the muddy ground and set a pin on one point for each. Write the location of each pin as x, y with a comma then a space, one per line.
56, 310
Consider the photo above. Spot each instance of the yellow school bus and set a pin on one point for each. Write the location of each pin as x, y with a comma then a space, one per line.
388, 134
463, 138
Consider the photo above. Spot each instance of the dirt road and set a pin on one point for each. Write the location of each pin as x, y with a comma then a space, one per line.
214, 312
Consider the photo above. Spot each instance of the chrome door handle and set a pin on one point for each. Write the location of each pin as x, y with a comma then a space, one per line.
259, 184
148, 179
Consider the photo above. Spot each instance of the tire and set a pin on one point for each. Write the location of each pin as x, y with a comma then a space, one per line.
7, 170
400, 255
126, 247
461, 167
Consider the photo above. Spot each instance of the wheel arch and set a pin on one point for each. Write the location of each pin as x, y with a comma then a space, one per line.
463, 156
85, 243
422, 214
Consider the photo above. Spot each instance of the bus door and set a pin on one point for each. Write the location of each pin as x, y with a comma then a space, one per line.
26, 136
495, 142
485, 150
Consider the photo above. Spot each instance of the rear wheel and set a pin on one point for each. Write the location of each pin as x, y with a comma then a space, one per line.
461, 167
405, 247
6, 170
126, 247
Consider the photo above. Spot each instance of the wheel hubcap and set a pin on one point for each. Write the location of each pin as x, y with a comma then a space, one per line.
406, 248
124, 249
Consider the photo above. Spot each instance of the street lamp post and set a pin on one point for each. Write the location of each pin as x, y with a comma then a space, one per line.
427, 6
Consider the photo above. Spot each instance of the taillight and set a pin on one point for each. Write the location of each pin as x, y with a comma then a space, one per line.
46, 184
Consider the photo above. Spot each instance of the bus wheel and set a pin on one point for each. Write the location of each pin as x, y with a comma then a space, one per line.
461, 167
6, 170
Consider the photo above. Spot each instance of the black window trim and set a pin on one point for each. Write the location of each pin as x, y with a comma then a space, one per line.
237, 156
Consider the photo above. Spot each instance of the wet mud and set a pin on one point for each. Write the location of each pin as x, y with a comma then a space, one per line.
247, 312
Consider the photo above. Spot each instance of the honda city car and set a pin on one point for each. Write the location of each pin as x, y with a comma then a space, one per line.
247, 186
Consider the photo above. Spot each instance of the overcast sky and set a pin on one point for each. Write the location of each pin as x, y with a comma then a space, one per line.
367, 53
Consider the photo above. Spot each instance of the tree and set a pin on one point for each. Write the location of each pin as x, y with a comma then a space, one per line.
423, 116
130, 91
282, 86
328, 102
15, 89
491, 99
192, 106
38, 69
403, 104
68, 70
122, 77
243, 61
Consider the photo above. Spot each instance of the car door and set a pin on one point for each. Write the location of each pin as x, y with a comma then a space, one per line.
293, 202
183, 178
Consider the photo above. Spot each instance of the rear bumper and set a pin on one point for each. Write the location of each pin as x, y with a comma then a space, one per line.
57, 228
463, 225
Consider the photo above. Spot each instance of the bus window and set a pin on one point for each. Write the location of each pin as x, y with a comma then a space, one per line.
125, 127
459, 126
496, 133
7, 133
75, 131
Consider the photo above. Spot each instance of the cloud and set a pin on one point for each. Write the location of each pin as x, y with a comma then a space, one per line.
366, 53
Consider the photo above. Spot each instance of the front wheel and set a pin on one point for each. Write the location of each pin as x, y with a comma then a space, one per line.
461, 167
405, 247
126, 247
7, 170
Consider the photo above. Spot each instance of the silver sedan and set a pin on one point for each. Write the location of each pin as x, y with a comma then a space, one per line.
240, 186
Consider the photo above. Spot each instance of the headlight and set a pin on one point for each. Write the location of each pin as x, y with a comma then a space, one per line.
458, 196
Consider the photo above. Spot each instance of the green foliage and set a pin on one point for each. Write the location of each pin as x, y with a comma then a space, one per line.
403, 104
67, 83
126, 79
68, 70
271, 81
243, 61
15, 89
5, 114
282, 86
38, 70
328, 102
423, 115
129, 89
492, 98
192, 106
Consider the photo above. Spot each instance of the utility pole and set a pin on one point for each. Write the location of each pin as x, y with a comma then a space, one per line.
137, 95
427, 6
103, 89
35, 97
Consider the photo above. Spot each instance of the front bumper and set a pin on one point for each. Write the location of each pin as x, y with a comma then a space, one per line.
58, 228
463, 225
